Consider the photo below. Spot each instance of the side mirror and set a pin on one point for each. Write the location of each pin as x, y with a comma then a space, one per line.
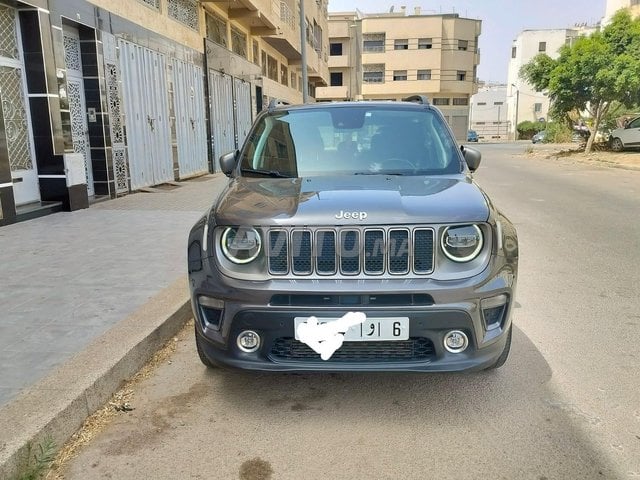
228, 162
472, 157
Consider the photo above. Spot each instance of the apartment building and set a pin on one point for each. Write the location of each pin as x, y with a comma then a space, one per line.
614, 5
389, 56
489, 112
103, 97
523, 102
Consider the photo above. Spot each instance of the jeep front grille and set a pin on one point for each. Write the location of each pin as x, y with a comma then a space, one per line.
350, 251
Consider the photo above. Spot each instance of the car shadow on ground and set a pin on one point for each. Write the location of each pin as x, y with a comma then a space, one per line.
515, 407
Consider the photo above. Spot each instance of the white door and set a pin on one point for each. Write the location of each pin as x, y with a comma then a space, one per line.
77, 103
630, 136
146, 115
191, 131
222, 119
242, 96
17, 121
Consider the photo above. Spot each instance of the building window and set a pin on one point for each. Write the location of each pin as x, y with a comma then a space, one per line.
425, 43
217, 29
463, 45
373, 42
284, 74
299, 83
441, 101
402, 44
481, 103
480, 123
424, 74
537, 107
514, 50
461, 76
336, 79
256, 53
294, 77
373, 73
461, 101
263, 62
335, 49
399, 75
542, 46
498, 103
238, 42
272, 68
184, 11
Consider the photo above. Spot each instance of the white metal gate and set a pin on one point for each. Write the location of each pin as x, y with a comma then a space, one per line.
144, 88
77, 103
191, 132
17, 121
242, 97
222, 121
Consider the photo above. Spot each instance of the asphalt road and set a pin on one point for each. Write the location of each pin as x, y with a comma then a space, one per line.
565, 406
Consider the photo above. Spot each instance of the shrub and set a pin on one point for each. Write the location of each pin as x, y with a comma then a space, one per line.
558, 132
528, 129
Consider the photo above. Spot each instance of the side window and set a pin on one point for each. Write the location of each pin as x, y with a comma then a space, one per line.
635, 123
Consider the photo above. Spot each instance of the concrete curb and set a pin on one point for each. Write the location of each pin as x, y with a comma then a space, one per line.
57, 405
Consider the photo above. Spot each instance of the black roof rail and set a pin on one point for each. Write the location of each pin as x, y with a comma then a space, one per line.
422, 99
275, 102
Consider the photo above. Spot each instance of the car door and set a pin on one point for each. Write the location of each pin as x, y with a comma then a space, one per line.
630, 136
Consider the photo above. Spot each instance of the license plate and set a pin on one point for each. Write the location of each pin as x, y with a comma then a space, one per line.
372, 330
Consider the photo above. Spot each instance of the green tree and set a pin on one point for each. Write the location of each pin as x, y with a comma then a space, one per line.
592, 73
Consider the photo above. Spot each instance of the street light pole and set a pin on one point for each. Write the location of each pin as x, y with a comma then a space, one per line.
303, 54
515, 135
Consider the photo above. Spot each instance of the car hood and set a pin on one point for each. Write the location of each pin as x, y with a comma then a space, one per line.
318, 201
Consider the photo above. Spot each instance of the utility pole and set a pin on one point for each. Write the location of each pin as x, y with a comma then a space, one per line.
515, 135
303, 53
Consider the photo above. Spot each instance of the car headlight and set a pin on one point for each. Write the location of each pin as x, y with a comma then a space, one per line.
462, 243
241, 245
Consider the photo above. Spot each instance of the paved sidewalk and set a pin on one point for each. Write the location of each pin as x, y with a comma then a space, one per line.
65, 279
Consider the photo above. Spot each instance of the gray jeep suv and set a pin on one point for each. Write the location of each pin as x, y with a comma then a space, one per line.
366, 208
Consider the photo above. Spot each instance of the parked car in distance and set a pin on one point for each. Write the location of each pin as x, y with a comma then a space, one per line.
539, 137
627, 137
472, 136
356, 226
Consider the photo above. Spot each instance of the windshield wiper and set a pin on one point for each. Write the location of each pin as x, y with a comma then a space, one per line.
266, 173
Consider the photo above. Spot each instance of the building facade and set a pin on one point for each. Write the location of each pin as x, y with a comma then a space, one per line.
523, 102
103, 97
614, 5
390, 56
489, 112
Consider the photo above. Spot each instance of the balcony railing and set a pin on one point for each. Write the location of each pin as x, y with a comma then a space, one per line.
286, 16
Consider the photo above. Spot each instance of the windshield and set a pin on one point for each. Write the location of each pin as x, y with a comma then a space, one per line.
353, 140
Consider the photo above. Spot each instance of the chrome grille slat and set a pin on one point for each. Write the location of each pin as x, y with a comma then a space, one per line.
398, 252
350, 251
374, 248
326, 252
301, 252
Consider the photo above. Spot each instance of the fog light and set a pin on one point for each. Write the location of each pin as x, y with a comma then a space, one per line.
456, 341
248, 341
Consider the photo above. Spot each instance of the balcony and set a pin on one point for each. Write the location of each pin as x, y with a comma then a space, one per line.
263, 16
332, 93
339, 61
287, 39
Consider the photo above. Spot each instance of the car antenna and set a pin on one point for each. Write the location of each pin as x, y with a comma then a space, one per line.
422, 99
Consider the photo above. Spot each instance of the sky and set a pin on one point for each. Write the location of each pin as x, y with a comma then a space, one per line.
502, 20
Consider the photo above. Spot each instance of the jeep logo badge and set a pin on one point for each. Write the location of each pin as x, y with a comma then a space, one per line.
353, 215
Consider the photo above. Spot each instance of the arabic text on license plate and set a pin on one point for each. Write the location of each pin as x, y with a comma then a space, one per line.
373, 329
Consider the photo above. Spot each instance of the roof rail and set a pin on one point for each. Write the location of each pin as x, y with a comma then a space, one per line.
275, 102
422, 99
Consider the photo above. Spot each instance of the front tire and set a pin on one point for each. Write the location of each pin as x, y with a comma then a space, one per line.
203, 358
617, 145
504, 355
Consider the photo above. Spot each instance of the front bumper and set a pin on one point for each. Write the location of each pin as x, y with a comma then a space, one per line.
235, 306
